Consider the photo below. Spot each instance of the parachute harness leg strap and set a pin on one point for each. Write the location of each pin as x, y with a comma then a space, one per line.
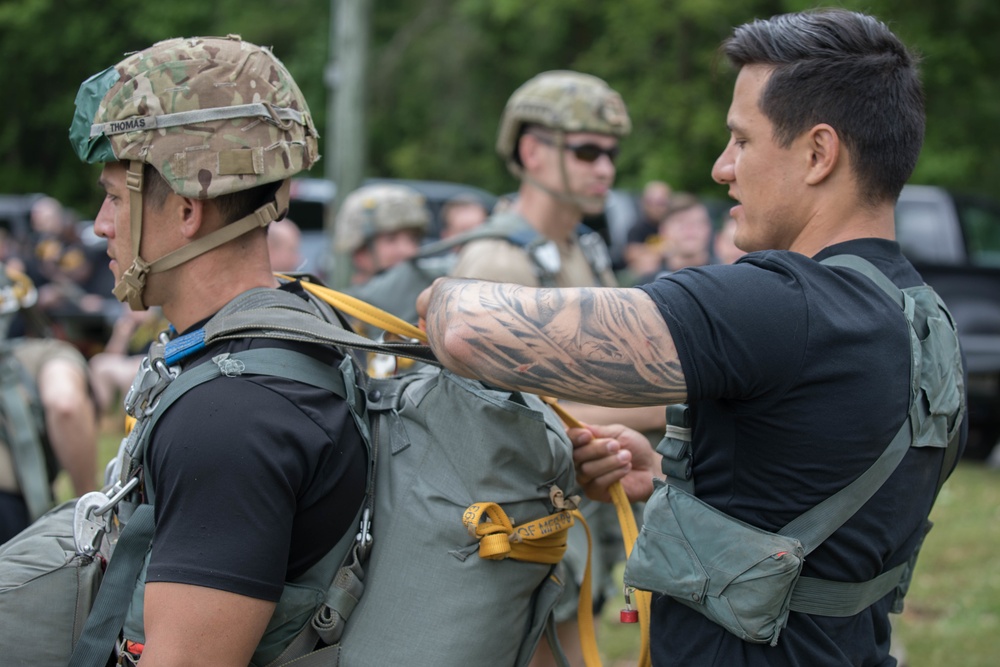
630, 533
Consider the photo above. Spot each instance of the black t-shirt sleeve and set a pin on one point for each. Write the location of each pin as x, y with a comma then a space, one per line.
740, 332
230, 466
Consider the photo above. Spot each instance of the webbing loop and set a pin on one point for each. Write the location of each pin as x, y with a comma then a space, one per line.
540, 541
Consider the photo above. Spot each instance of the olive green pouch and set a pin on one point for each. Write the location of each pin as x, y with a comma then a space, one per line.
737, 575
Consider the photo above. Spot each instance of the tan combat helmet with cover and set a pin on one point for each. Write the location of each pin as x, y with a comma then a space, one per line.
212, 116
378, 209
561, 101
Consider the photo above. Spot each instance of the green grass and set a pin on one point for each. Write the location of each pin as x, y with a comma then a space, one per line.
952, 614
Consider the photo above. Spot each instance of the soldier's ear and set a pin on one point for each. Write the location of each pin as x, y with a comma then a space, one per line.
192, 214
823, 152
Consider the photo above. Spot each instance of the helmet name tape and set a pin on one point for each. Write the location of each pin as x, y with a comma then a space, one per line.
141, 123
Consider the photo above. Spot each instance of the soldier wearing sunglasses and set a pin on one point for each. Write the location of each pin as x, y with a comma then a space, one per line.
559, 135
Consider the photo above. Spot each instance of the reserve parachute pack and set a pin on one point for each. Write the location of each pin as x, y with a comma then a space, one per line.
464, 518
747, 579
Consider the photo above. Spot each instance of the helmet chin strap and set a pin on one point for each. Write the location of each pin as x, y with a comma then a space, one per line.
133, 282
582, 202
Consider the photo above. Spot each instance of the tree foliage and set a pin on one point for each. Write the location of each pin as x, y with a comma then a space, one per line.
440, 72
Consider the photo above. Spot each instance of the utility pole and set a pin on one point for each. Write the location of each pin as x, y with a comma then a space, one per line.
345, 146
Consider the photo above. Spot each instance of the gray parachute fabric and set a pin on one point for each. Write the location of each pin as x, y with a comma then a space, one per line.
445, 443
46, 591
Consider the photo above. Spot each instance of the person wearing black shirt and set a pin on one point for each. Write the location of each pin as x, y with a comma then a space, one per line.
255, 477
797, 373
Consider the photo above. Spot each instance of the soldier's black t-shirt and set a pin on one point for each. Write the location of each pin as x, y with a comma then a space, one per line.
256, 478
798, 378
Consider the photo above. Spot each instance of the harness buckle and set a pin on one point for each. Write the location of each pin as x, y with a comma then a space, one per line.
89, 525
149, 382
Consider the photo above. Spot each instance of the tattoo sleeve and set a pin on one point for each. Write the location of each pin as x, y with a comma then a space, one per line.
596, 345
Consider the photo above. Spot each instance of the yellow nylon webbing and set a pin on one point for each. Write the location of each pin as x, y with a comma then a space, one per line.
540, 541
630, 533
364, 312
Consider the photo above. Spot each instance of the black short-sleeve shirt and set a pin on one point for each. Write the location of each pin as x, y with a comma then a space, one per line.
798, 378
256, 478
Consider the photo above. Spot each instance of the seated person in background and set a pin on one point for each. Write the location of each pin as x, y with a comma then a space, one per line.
641, 252
112, 371
50, 383
56, 260
686, 237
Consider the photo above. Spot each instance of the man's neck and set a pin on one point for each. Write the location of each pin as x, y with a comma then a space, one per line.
829, 228
554, 219
202, 288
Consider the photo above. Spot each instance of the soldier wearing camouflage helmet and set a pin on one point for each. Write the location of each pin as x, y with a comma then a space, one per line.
559, 134
555, 109
379, 226
256, 478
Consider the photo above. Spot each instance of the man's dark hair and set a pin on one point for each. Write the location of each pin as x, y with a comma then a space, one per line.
850, 71
231, 206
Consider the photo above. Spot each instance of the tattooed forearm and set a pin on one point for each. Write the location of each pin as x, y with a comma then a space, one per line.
596, 345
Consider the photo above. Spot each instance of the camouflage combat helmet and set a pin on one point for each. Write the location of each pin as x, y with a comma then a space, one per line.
375, 209
563, 101
212, 116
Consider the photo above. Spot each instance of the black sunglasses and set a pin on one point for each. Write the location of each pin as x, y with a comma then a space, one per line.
583, 152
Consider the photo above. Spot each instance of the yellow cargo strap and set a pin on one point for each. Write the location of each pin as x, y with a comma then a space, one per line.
540, 541
630, 533
498, 529
365, 312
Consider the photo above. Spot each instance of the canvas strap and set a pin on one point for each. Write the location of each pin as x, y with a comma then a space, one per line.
834, 598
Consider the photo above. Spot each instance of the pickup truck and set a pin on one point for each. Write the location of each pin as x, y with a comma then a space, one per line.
954, 241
